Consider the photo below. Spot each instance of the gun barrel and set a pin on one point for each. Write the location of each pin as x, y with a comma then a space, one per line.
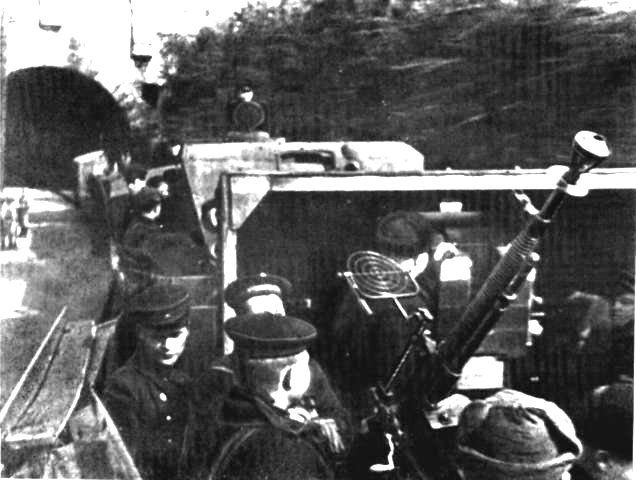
588, 150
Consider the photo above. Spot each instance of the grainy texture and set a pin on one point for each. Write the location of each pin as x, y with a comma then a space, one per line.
55, 267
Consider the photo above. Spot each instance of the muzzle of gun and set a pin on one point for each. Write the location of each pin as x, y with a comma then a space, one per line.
588, 150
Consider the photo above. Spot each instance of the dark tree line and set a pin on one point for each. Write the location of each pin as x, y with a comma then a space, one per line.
470, 84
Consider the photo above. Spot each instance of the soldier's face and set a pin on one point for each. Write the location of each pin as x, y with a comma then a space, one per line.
623, 309
415, 265
154, 214
164, 348
164, 189
265, 303
293, 379
246, 96
136, 185
299, 376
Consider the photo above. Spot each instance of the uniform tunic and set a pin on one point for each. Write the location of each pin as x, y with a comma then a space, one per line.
149, 405
367, 347
221, 404
250, 438
220, 378
120, 212
139, 230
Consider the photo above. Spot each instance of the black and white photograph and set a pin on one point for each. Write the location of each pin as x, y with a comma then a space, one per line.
317, 239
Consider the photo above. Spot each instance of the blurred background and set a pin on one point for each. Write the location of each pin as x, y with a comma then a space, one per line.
470, 84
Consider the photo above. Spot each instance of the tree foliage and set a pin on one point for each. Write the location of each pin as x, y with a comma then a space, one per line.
76, 61
471, 84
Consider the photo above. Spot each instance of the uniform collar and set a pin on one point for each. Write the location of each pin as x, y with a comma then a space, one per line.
158, 373
146, 220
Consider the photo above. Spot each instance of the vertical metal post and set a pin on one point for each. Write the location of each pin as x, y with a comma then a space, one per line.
228, 244
3, 95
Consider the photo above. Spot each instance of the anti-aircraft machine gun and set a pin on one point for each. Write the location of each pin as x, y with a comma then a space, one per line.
445, 361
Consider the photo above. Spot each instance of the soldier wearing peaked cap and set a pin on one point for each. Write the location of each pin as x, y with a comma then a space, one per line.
147, 206
269, 335
265, 293
258, 293
273, 388
148, 397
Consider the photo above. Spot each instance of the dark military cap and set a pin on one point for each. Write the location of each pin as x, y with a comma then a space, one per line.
155, 181
161, 307
403, 233
241, 289
268, 335
134, 171
147, 198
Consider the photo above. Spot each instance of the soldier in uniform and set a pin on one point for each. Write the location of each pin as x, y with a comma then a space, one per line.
243, 93
121, 188
622, 313
269, 395
258, 293
246, 118
261, 294
368, 346
148, 397
147, 204
135, 176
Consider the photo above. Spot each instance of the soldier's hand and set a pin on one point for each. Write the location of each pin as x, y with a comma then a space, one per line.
301, 414
445, 250
329, 429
